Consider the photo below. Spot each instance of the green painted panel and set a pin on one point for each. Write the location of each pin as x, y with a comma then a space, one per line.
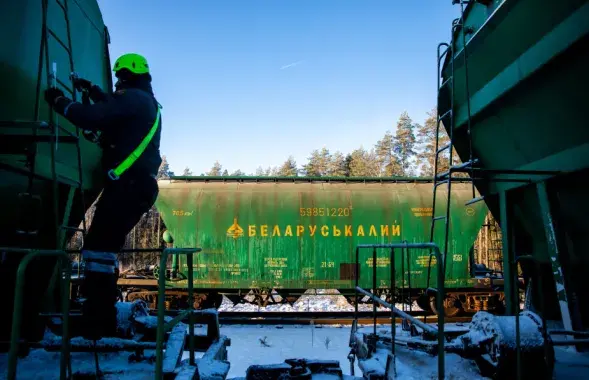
303, 234
24, 69
527, 93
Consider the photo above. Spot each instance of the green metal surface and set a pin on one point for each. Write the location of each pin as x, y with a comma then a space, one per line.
301, 233
37, 34
527, 70
23, 69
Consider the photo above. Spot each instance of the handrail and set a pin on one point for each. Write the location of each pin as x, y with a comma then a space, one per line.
439, 299
18, 305
161, 325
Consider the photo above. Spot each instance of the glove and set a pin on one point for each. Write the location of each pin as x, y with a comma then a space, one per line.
51, 95
91, 136
82, 84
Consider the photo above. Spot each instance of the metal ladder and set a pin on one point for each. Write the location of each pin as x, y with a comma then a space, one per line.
57, 134
446, 178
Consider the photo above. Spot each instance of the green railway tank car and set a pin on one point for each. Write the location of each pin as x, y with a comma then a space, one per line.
292, 234
524, 101
45, 165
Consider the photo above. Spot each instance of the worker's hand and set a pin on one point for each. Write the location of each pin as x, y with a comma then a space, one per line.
91, 136
51, 95
82, 84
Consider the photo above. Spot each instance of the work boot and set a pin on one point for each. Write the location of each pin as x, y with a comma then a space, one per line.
99, 288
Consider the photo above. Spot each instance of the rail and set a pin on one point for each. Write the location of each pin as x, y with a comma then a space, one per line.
428, 330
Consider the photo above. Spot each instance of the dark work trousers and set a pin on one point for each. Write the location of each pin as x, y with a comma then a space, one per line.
121, 205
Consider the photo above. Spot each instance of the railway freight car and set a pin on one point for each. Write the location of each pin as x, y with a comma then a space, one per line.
287, 235
46, 165
516, 108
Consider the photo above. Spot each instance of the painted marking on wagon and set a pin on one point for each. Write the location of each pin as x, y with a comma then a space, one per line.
235, 231
266, 230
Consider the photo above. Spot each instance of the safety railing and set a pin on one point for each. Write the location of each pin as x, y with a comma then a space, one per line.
64, 269
428, 330
162, 326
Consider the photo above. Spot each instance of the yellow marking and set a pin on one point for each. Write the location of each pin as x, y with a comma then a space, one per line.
327, 264
381, 262
265, 230
325, 211
275, 262
182, 213
422, 211
423, 261
235, 231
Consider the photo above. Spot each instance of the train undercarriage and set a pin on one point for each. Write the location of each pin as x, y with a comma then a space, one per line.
458, 302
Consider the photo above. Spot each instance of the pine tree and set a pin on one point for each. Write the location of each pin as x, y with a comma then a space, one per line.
404, 144
337, 165
318, 163
216, 170
237, 173
288, 168
387, 161
164, 169
364, 163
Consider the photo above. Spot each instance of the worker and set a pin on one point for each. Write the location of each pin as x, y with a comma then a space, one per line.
129, 123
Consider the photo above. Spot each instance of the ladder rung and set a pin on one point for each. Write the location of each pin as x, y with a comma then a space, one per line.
442, 175
439, 217
23, 124
65, 86
65, 130
61, 5
446, 82
464, 165
444, 148
22, 232
442, 182
73, 229
67, 49
474, 200
449, 112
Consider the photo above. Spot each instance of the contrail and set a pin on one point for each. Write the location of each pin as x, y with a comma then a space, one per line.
291, 65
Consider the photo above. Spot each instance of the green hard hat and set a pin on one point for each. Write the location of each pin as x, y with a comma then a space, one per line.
135, 63
167, 236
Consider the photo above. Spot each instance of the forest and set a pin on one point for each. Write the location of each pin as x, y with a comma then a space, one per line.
409, 152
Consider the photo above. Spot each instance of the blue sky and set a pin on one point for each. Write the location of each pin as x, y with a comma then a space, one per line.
248, 82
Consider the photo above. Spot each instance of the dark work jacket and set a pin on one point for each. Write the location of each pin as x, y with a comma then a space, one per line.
123, 119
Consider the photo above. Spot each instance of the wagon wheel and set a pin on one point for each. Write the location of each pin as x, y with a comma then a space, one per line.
199, 301
212, 301
452, 306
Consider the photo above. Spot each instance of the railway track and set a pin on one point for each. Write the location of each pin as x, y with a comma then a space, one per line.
316, 318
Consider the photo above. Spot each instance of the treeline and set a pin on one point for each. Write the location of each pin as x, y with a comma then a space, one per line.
409, 152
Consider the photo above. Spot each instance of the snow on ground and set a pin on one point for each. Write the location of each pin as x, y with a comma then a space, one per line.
40, 364
251, 344
414, 364
325, 300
